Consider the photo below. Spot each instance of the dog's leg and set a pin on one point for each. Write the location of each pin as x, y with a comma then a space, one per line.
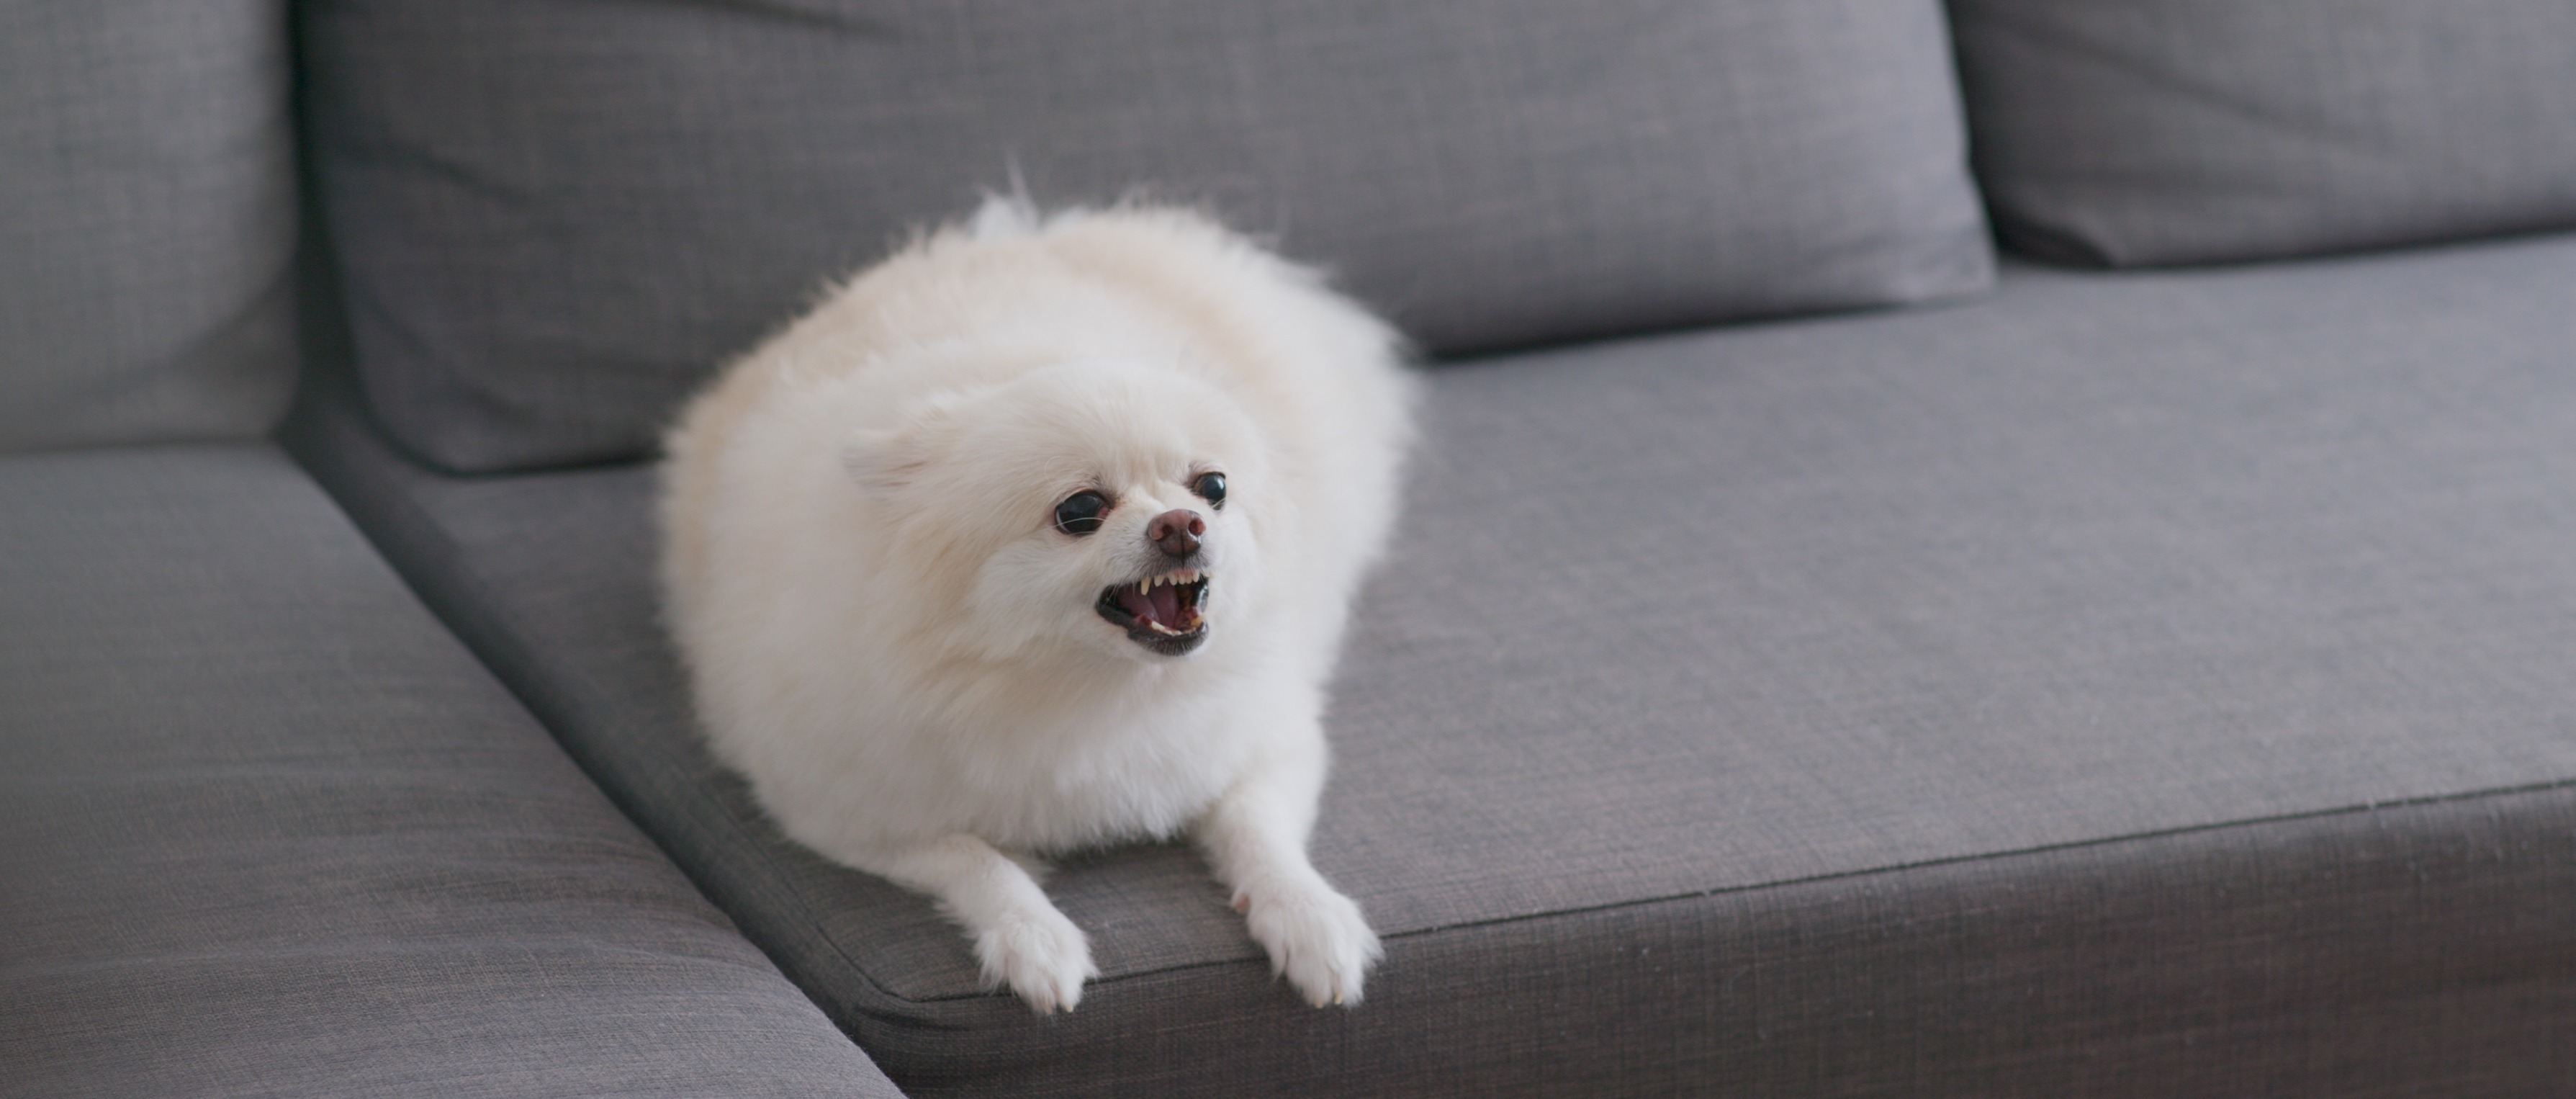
1021, 940
1255, 839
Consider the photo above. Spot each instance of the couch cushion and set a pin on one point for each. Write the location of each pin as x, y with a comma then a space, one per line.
266, 828
2132, 132
555, 219
146, 218
2116, 686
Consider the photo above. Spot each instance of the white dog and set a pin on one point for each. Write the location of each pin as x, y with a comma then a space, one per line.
1041, 535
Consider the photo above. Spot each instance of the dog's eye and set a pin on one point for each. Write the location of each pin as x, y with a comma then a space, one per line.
1211, 488
1080, 513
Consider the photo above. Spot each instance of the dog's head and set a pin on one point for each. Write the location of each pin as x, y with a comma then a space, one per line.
1101, 507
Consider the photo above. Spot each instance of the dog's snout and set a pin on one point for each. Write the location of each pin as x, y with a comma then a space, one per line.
1177, 531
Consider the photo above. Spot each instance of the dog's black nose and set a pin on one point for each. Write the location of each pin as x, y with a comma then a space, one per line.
1177, 531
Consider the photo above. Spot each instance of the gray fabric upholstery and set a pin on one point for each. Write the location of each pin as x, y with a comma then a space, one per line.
146, 218
267, 829
2117, 686
2131, 132
556, 219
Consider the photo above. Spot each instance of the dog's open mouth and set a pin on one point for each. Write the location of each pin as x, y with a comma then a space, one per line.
1162, 613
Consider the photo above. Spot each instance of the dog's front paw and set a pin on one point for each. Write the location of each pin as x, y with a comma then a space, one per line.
1040, 954
1316, 938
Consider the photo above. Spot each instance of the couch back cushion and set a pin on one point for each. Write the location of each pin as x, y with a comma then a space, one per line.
147, 221
2127, 132
556, 219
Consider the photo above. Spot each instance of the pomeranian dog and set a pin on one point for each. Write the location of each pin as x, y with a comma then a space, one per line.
1037, 536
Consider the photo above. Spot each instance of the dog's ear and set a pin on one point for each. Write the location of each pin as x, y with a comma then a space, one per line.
887, 459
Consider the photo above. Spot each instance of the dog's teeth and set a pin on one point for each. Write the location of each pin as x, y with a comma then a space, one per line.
1144, 586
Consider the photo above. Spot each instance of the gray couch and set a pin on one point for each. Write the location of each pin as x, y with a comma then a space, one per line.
1820, 657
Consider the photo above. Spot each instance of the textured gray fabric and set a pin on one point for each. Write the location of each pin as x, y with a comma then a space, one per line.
2129, 132
555, 219
146, 218
265, 828
1797, 706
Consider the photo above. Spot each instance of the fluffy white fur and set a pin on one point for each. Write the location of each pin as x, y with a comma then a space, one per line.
890, 635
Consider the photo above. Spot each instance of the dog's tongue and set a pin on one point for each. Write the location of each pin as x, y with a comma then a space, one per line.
1161, 604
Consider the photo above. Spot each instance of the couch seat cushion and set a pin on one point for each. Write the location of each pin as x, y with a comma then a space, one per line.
266, 828
2118, 685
